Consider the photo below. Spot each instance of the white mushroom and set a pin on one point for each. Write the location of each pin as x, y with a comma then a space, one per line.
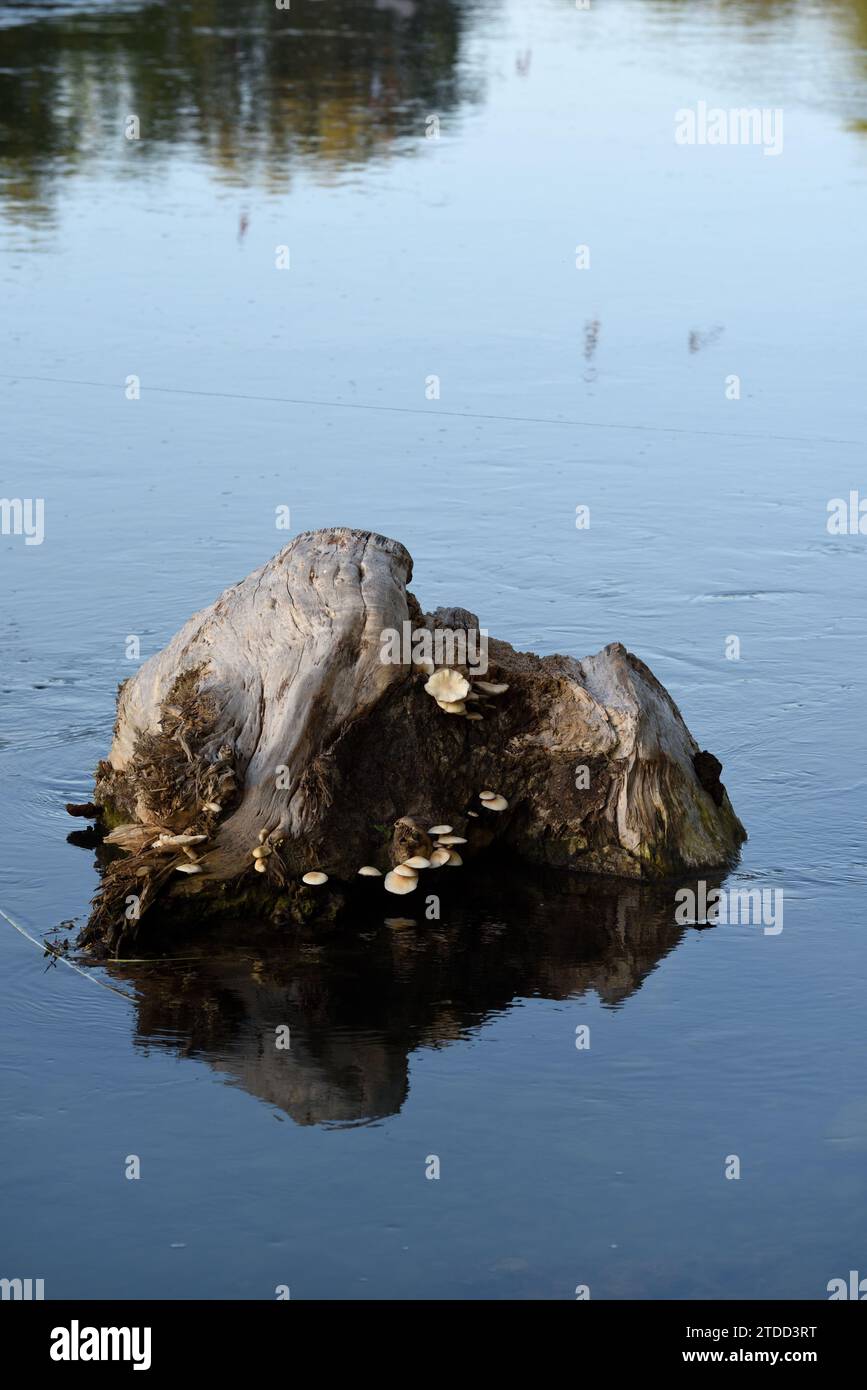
474, 814
447, 685
487, 796
368, 871
398, 883
213, 806
440, 830
260, 866
314, 877
261, 852
418, 861
451, 840
188, 869
455, 859
439, 857
491, 687
497, 803
404, 871
452, 706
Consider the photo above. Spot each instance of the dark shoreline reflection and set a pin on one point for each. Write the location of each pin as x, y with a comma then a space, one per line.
359, 1001
256, 92
253, 89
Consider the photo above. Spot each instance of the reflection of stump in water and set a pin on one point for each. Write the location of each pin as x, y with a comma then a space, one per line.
358, 1004
282, 730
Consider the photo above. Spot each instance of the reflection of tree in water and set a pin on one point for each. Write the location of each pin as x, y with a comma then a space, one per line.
760, 14
360, 1001
777, 20
254, 89
855, 12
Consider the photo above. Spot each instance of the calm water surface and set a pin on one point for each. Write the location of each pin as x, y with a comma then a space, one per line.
455, 257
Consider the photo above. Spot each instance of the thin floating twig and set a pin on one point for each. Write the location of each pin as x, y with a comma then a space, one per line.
46, 949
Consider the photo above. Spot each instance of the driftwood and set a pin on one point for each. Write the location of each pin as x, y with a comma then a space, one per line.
282, 722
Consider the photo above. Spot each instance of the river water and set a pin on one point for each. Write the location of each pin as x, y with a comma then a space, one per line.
431, 363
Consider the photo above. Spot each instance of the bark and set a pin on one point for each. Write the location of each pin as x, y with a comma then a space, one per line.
271, 718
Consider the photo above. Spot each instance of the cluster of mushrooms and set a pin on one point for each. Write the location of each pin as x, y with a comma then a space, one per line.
403, 878
263, 851
166, 842
452, 692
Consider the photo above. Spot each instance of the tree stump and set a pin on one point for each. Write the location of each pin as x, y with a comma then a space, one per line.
284, 726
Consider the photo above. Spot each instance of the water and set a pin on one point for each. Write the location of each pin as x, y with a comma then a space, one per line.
453, 257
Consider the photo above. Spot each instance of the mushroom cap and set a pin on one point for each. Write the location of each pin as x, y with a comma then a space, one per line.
439, 857
497, 803
404, 871
314, 876
260, 866
187, 869
261, 852
368, 871
487, 796
398, 883
451, 840
474, 814
440, 830
452, 706
455, 859
447, 685
491, 687
418, 861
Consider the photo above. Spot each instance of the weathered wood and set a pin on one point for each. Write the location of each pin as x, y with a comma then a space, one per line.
272, 718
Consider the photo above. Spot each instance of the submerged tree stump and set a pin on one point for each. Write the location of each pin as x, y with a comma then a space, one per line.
284, 727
